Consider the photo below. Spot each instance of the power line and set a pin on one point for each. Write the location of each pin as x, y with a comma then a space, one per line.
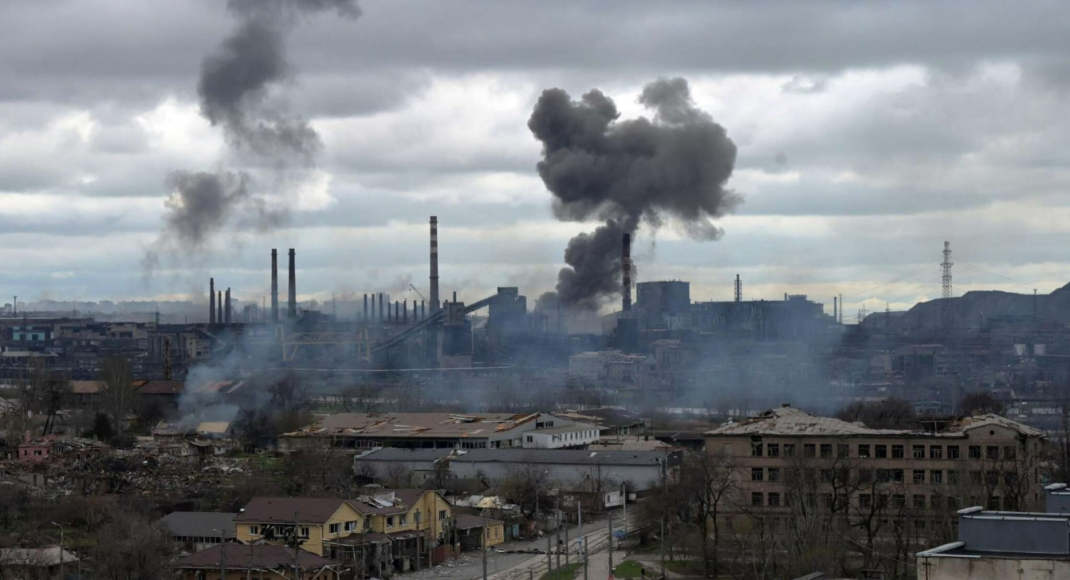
984, 271
896, 281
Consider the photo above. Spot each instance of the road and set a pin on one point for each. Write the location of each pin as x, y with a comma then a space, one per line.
501, 566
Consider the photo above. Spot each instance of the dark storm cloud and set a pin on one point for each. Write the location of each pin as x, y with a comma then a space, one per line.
596, 166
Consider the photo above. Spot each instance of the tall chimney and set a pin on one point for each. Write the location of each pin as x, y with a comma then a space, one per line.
405, 311
381, 313
434, 263
835, 309
274, 285
365, 306
219, 306
226, 308
292, 307
211, 301
626, 269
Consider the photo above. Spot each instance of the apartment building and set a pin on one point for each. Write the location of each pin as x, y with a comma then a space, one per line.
785, 458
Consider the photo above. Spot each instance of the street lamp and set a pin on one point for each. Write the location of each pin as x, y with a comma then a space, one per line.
62, 572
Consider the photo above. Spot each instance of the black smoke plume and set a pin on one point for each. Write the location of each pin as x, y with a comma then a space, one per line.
236, 94
642, 170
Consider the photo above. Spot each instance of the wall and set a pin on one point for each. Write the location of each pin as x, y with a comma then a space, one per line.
317, 533
642, 476
945, 568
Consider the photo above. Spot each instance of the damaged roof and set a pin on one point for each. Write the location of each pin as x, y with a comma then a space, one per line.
253, 556
414, 425
791, 421
306, 510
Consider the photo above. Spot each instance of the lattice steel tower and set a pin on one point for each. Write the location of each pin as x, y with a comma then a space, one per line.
947, 316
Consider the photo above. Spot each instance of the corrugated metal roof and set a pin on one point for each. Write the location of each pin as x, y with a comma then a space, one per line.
792, 421
199, 524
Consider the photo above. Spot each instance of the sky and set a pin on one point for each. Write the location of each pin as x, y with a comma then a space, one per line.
868, 133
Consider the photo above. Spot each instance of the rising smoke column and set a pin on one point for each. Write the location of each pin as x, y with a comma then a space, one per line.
674, 165
236, 94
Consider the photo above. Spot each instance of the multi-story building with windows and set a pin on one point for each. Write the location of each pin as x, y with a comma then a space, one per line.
785, 460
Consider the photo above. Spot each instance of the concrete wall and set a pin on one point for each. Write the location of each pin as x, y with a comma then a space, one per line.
642, 476
947, 568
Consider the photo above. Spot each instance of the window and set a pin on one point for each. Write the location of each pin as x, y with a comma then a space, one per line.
756, 498
416, 517
531, 439
992, 478
826, 475
774, 474
826, 450
403, 519
863, 450
757, 474
953, 503
897, 475
952, 451
975, 451
992, 452
919, 476
975, 477
919, 525
254, 530
390, 521
953, 477
827, 501
843, 450
919, 502
789, 450
1009, 452
335, 528
937, 502
303, 532
774, 499
865, 475
773, 449
441, 514
899, 500
881, 451
919, 452
897, 451
865, 500
809, 450
351, 526
937, 476
936, 452
755, 449
884, 475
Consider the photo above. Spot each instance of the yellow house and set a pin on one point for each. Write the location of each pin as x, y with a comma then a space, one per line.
272, 519
406, 510
469, 527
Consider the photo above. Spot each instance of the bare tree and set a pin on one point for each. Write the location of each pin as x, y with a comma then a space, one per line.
43, 391
707, 480
131, 547
118, 396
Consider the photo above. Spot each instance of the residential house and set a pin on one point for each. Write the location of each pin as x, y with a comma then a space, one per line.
471, 527
273, 519
197, 531
34, 449
240, 562
38, 563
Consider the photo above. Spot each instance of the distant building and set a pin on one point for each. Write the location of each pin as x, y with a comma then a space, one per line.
197, 531
420, 430
574, 436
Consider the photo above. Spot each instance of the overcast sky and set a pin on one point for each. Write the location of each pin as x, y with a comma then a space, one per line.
868, 133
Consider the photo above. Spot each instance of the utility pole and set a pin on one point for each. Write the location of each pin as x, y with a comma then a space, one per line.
610, 551
483, 544
567, 550
549, 556
62, 573
558, 535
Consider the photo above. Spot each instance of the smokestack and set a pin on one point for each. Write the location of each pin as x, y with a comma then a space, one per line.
226, 308
835, 309
381, 314
274, 285
626, 270
841, 309
219, 306
292, 307
405, 312
365, 306
211, 301
434, 263
423, 309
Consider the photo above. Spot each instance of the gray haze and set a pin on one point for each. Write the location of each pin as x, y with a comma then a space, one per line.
674, 166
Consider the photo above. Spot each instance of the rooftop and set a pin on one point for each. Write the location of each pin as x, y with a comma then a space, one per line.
198, 524
560, 456
567, 429
35, 557
255, 556
306, 510
791, 421
414, 425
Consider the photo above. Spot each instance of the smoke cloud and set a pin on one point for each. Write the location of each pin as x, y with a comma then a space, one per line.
672, 166
238, 93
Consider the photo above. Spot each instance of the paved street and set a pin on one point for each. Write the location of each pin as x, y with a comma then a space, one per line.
521, 566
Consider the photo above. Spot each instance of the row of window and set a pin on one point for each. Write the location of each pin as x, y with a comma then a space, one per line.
897, 501
918, 476
353, 526
881, 451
